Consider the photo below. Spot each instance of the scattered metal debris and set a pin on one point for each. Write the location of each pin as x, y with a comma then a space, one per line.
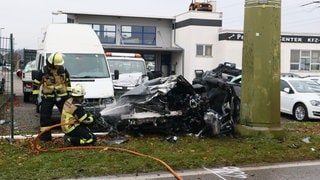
294, 146
306, 140
172, 139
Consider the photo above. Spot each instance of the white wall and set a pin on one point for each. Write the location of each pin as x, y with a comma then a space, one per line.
229, 51
189, 36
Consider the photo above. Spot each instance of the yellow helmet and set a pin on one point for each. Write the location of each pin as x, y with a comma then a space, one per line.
56, 59
78, 90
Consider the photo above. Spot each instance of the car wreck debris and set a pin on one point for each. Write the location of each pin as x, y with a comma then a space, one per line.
171, 105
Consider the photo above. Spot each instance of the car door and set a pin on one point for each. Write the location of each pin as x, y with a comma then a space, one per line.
286, 99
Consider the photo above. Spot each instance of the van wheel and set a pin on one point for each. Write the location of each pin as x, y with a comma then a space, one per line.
300, 112
26, 97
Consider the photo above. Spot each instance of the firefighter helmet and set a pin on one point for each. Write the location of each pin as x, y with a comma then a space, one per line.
56, 59
78, 90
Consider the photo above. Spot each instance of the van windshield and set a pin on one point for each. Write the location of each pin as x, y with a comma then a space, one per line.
86, 65
127, 66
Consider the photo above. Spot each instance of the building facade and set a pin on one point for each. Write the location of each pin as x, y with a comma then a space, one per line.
192, 40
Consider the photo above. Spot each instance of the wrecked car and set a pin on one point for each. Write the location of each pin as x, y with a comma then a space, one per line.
164, 105
221, 89
171, 105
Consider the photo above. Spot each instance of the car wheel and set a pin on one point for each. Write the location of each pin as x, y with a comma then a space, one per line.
300, 112
26, 97
235, 110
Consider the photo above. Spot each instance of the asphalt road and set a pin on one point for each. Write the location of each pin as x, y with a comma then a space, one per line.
306, 170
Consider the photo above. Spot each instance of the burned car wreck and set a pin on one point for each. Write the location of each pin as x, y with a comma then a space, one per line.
171, 105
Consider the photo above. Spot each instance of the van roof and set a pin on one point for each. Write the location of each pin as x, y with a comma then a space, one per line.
71, 38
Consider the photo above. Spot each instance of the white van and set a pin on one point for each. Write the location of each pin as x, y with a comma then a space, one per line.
131, 68
84, 58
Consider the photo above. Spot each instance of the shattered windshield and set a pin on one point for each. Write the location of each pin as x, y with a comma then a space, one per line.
86, 65
127, 66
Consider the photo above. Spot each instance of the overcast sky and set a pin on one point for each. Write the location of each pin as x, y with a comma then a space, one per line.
27, 19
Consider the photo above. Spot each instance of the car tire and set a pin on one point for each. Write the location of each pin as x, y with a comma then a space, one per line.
300, 112
26, 97
235, 109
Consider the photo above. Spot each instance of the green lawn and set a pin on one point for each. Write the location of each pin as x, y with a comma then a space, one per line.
21, 161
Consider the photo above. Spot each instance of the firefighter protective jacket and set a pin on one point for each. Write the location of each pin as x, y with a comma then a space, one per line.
55, 82
73, 112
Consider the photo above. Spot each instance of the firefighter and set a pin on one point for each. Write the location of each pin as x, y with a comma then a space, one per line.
54, 80
77, 133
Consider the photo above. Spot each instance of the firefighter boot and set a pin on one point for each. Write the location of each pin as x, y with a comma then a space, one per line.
67, 141
46, 136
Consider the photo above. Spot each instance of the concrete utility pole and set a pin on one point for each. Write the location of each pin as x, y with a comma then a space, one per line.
260, 89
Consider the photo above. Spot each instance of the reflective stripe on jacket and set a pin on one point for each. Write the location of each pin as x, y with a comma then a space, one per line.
53, 81
68, 116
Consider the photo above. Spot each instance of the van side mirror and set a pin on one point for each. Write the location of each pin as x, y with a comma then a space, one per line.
116, 74
34, 74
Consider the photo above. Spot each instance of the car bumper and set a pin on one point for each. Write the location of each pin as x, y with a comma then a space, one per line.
314, 112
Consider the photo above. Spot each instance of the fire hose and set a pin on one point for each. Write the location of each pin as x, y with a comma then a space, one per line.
38, 148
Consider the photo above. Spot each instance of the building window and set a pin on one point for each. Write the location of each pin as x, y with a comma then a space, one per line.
315, 60
70, 20
305, 60
139, 35
105, 32
204, 50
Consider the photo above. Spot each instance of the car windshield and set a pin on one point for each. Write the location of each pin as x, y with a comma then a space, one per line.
127, 66
86, 65
303, 86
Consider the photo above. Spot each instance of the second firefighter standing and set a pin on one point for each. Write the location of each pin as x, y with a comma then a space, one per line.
55, 82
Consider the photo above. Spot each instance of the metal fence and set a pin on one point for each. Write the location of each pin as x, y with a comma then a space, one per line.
6, 93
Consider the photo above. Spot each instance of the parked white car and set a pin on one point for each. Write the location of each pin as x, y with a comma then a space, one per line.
7, 67
300, 97
313, 78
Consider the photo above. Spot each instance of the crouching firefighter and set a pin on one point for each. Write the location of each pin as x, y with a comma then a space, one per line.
54, 79
78, 133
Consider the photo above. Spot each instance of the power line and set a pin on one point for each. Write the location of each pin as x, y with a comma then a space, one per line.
313, 2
